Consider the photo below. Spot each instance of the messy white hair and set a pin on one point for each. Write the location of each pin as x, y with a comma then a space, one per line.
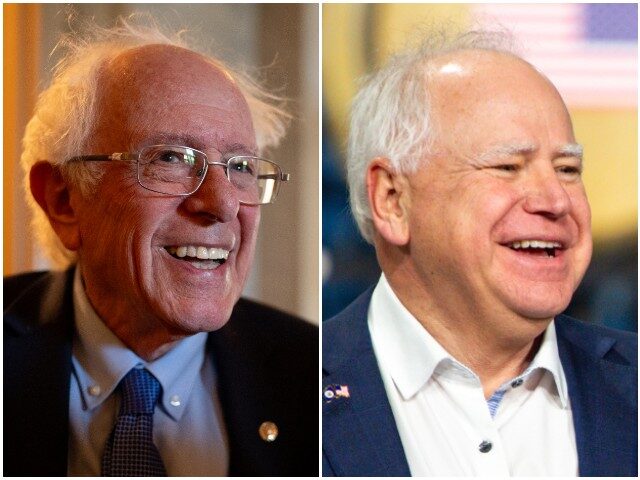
390, 114
65, 112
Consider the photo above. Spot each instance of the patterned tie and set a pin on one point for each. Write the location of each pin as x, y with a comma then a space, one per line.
130, 451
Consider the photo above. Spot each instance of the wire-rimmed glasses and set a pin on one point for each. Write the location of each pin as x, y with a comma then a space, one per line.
176, 170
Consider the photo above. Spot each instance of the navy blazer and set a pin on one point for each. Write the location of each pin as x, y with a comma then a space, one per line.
359, 433
266, 362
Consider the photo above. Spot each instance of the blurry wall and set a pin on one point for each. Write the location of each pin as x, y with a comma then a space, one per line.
282, 37
588, 50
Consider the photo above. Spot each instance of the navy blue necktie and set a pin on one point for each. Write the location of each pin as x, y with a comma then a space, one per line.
130, 451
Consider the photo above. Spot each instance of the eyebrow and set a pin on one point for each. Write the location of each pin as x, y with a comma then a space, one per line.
187, 140
571, 150
507, 150
511, 149
164, 138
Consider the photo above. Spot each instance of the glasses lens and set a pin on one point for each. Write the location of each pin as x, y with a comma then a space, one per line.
171, 170
257, 180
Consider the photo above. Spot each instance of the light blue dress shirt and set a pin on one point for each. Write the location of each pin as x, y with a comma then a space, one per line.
188, 427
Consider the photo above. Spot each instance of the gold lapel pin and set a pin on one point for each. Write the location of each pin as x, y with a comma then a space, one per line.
268, 431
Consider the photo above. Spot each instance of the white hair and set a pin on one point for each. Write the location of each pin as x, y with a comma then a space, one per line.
390, 114
65, 112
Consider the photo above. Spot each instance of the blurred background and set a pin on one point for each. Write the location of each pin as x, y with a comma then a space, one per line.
589, 51
283, 37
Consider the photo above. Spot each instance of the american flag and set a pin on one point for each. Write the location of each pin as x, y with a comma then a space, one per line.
589, 51
342, 391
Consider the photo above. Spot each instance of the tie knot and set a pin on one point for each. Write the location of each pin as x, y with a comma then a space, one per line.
140, 392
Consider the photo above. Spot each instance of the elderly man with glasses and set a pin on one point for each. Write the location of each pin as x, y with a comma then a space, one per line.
143, 162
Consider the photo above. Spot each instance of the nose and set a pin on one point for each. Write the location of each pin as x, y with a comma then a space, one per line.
216, 198
547, 195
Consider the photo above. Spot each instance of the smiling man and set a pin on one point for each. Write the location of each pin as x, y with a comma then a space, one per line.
141, 359
465, 175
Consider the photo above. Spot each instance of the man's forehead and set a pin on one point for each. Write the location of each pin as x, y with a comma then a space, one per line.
163, 88
470, 61
157, 65
471, 75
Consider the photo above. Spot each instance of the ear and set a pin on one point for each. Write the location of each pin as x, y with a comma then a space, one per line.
51, 191
388, 199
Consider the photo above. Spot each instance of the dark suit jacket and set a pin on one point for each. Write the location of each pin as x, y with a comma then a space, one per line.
266, 361
359, 433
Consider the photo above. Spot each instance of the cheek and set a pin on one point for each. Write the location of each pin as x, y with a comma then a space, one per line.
581, 209
249, 217
113, 228
478, 208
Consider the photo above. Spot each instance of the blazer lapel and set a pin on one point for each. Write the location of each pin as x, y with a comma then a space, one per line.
602, 383
37, 372
360, 437
258, 383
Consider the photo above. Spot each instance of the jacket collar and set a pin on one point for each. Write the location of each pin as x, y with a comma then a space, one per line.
359, 432
602, 377
37, 370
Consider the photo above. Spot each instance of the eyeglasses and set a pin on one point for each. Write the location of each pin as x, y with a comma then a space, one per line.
173, 170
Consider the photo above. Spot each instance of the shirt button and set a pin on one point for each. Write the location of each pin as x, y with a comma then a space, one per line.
517, 383
485, 446
94, 390
175, 401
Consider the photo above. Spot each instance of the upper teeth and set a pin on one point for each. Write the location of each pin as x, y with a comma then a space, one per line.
535, 244
202, 253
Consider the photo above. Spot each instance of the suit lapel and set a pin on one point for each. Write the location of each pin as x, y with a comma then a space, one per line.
252, 392
360, 437
603, 392
37, 372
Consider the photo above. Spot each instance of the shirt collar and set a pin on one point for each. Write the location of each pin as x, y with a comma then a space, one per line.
548, 358
407, 350
412, 355
101, 360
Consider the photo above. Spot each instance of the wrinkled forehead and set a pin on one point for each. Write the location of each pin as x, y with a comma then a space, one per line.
165, 88
140, 69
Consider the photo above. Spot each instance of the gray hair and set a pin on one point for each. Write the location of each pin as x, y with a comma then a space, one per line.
390, 114
65, 112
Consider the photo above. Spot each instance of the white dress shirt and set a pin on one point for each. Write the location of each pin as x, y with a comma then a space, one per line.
446, 425
187, 422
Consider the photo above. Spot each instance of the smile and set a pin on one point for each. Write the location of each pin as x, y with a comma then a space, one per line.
539, 247
203, 258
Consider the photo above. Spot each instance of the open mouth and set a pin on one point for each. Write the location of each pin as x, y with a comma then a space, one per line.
203, 258
537, 247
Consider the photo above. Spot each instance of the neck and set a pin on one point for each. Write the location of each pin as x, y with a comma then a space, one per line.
145, 335
149, 346
496, 345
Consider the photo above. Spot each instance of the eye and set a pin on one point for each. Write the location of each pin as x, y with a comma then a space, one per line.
569, 171
507, 167
169, 156
242, 165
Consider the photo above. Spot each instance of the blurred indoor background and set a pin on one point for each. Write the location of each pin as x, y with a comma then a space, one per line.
590, 53
282, 37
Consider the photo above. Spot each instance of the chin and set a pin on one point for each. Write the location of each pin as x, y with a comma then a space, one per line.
192, 322
540, 302
540, 310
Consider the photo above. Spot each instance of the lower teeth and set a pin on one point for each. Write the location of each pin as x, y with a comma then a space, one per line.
549, 251
206, 265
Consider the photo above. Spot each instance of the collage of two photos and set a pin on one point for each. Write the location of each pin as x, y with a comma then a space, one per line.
306, 240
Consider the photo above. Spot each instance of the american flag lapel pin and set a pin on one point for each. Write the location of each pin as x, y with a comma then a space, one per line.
335, 391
